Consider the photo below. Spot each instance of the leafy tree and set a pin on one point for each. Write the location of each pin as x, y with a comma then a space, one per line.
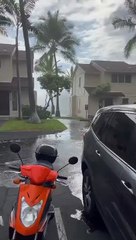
48, 80
128, 22
47, 69
54, 35
100, 90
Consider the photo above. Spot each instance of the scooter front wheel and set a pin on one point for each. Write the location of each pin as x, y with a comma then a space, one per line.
17, 236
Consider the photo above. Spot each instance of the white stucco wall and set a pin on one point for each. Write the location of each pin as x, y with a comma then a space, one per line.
93, 106
80, 93
129, 89
6, 72
22, 69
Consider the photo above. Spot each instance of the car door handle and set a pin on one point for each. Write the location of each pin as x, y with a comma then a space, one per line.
98, 153
128, 186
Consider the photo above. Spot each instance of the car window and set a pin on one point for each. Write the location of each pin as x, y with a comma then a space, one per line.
120, 137
100, 123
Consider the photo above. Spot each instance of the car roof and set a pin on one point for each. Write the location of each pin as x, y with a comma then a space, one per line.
118, 108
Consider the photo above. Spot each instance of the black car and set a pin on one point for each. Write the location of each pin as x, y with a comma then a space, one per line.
109, 170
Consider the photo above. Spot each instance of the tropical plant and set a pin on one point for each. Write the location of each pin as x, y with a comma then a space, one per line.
54, 35
128, 22
100, 90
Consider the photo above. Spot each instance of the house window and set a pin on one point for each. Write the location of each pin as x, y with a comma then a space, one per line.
108, 102
79, 105
114, 78
128, 78
79, 82
120, 78
125, 101
14, 101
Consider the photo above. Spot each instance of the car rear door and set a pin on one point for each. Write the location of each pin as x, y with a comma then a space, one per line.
108, 169
128, 177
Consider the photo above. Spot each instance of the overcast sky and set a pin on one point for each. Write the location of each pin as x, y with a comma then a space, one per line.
92, 21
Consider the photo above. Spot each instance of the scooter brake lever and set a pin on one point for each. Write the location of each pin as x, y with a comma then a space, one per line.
62, 183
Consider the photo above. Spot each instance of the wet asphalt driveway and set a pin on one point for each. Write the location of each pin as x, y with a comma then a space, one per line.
67, 199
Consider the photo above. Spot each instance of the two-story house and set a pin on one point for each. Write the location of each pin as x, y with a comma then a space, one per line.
120, 76
9, 81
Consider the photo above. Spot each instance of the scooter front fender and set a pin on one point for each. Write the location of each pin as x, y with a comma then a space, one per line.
33, 194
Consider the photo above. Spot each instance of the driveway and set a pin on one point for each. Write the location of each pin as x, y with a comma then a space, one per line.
67, 200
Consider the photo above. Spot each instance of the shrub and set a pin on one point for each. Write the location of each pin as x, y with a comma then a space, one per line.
43, 114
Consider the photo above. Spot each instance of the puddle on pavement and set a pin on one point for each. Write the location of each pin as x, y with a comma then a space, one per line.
6, 178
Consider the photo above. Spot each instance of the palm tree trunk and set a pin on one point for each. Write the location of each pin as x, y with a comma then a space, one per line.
18, 76
57, 97
52, 103
34, 116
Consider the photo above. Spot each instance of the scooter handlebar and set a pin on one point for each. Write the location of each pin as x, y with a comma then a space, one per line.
14, 168
61, 177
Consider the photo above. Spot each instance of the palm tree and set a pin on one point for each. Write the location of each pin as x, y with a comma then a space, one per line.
129, 23
25, 10
54, 35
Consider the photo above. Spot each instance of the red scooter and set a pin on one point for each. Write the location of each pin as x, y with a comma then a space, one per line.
33, 210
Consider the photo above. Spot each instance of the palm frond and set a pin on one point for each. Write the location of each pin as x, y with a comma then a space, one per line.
130, 46
122, 23
131, 5
29, 6
11, 7
5, 21
54, 32
68, 56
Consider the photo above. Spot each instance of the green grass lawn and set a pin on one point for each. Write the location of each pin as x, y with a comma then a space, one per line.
47, 126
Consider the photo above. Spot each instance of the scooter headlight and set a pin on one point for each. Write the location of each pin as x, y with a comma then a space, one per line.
29, 214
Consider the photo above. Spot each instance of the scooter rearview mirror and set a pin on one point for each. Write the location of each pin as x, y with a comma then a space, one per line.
14, 147
73, 160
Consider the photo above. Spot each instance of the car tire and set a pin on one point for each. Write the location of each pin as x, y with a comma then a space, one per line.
90, 208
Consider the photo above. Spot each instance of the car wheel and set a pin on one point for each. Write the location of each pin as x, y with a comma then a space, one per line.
90, 209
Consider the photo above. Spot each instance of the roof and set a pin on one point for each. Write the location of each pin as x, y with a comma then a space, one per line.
6, 49
9, 49
89, 68
119, 108
115, 66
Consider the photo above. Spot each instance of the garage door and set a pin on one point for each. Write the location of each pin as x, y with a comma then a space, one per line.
4, 103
